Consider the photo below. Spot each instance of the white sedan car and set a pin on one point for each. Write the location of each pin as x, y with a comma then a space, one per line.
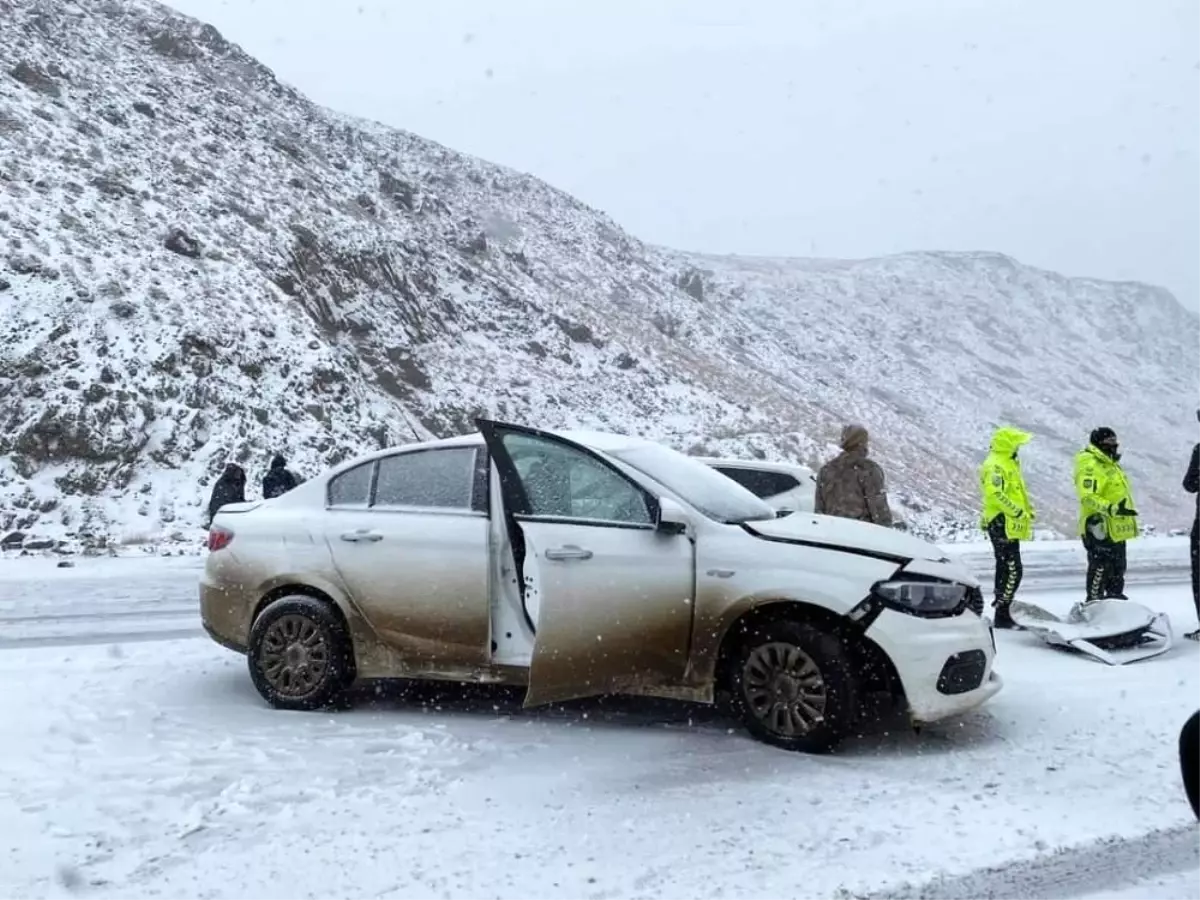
787, 487
579, 564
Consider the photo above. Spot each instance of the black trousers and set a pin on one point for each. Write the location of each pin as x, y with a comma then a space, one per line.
1196, 566
1106, 567
1009, 568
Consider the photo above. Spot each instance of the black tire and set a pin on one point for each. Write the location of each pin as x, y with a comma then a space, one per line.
766, 693
300, 656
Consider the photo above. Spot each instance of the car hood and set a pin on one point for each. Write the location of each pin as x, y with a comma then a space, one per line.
847, 534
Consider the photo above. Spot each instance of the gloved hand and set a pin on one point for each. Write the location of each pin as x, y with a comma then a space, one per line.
1123, 509
1095, 527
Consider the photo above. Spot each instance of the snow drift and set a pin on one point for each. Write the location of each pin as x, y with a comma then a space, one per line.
197, 264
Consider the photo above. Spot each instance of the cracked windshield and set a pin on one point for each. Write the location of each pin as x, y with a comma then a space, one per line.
658, 449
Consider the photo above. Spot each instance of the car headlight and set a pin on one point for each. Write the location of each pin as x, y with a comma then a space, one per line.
923, 598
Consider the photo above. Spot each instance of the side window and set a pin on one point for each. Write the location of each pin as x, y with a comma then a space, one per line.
353, 487
758, 482
441, 479
565, 483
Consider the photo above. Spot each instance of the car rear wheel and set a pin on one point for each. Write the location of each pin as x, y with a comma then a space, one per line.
792, 686
300, 656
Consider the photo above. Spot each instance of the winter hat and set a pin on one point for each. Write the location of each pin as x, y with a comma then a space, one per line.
854, 437
278, 462
1103, 435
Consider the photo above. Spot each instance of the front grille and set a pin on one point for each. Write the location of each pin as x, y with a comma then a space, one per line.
975, 600
962, 672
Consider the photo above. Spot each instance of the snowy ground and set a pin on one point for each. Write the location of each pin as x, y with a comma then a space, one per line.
138, 761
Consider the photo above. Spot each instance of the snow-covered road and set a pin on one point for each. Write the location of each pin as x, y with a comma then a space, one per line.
149, 767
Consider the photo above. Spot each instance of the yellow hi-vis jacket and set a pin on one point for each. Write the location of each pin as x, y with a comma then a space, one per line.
1101, 485
1003, 486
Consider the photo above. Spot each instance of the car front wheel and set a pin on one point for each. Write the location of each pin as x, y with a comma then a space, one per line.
300, 656
792, 686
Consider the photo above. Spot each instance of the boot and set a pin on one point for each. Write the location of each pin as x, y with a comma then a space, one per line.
1002, 617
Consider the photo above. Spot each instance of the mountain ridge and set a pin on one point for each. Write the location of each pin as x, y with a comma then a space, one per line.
203, 265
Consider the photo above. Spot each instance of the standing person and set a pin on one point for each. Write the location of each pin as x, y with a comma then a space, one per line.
1107, 519
230, 488
1191, 484
851, 485
279, 479
1189, 760
1007, 517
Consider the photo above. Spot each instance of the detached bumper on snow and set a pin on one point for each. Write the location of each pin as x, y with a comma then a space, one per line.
944, 665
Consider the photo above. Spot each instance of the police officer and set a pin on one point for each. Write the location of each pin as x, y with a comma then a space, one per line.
1107, 518
1191, 484
1007, 516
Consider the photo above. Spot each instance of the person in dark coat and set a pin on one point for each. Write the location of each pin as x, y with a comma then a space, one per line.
1191, 484
851, 485
230, 488
279, 479
1189, 760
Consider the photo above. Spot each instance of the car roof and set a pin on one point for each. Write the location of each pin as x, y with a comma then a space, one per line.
603, 441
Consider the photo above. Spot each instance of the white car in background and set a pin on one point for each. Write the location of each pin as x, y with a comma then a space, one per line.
578, 564
787, 487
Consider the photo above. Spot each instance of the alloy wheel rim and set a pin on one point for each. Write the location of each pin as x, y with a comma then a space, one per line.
784, 689
294, 656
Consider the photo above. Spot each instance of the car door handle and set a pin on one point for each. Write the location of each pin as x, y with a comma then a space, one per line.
356, 536
570, 551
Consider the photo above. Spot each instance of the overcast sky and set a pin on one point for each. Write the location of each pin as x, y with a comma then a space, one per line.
1063, 132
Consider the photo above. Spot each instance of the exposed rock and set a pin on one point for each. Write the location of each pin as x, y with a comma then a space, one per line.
692, 283
179, 241
35, 78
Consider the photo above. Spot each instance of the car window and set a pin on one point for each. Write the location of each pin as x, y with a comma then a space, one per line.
442, 479
696, 483
759, 482
352, 487
563, 482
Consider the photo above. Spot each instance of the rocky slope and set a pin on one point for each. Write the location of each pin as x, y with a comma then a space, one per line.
197, 264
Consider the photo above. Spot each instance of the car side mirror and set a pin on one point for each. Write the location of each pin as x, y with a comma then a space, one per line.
672, 518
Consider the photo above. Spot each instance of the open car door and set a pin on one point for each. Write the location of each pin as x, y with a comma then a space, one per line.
608, 592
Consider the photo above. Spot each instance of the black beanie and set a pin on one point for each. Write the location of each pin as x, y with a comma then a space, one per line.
1103, 435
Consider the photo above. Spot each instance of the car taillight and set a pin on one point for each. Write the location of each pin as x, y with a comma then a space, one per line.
219, 538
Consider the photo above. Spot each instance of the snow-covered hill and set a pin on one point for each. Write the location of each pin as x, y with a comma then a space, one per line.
197, 264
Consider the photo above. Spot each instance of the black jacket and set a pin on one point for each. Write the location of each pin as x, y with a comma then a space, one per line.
1189, 754
1191, 481
230, 488
279, 480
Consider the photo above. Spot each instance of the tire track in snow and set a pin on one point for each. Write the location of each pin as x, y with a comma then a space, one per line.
1069, 872
108, 637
